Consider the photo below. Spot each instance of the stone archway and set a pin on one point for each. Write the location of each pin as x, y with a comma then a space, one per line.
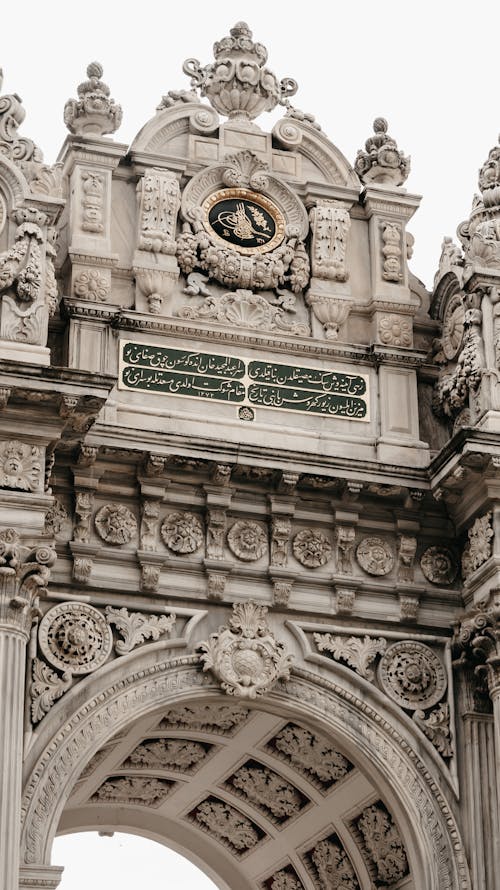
390, 776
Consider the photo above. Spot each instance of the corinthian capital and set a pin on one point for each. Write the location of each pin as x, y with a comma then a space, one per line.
24, 575
477, 639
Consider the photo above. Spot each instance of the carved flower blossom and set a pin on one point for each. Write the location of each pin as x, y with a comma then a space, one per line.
247, 540
395, 331
20, 466
312, 548
91, 285
182, 532
115, 524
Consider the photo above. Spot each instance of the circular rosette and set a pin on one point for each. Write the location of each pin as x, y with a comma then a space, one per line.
453, 327
75, 637
412, 675
312, 548
375, 556
115, 524
439, 565
247, 540
182, 532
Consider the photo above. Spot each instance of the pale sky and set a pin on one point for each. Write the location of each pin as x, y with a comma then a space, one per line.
430, 68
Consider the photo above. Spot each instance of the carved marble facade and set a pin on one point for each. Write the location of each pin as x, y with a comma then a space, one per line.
249, 496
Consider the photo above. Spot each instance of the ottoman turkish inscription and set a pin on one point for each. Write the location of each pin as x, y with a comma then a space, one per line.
225, 378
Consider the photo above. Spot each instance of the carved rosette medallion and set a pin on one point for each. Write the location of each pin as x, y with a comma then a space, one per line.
453, 327
247, 540
244, 655
412, 675
115, 524
375, 556
20, 466
312, 548
75, 637
182, 532
438, 565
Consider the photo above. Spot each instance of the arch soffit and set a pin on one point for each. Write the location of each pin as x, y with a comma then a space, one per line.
292, 135
105, 703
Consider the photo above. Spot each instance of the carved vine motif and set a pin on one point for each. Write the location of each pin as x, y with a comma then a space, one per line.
412, 675
75, 637
330, 222
331, 865
312, 548
479, 548
159, 199
284, 879
136, 628
383, 845
115, 524
267, 790
375, 556
392, 251
138, 790
57, 520
179, 755
217, 718
247, 540
436, 726
439, 565
358, 653
243, 308
227, 825
46, 688
245, 656
311, 754
92, 202
182, 532
20, 466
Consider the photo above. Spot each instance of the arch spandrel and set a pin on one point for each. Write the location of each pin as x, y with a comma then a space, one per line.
106, 704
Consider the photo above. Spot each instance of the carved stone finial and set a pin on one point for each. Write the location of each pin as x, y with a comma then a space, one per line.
382, 161
244, 655
17, 148
489, 178
237, 84
93, 112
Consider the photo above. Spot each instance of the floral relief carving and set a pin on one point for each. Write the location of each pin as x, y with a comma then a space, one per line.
311, 754
179, 755
216, 530
83, 516
57, 520
243, 308
436, 726
138, 790
150, 516
382, 843
220, 719
75, 637
159, 199
284, 879
247, 540
265, 789
358, 653
311, 548
331, 865
244, 655
20, 466
92, 201
115, 524
344, 548
91, 285
406, 557
82, 569
136, 628
394, 330
330, 223
227, 825
412, 675
453, 326
439, 565
479, 547
182, 532
392, 251
375, 556
46, 688
150, 578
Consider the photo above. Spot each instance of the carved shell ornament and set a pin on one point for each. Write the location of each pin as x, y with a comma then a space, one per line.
182, 532
412, 675
115, 524
375, 556
247, 540
75, 637
244, 655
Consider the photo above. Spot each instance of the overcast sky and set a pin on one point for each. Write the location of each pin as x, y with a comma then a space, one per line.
430, 68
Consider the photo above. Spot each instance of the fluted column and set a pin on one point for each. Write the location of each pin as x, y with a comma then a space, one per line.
24, 573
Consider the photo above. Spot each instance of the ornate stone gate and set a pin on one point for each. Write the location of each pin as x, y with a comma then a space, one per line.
248, 498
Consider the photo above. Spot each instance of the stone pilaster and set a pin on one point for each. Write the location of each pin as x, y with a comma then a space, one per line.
24, 573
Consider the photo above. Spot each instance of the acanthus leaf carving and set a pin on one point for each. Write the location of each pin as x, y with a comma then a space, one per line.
24, 576
179, 755
332, 865
159, 202
227, 824
436, 726
311, 754
243, 308
383, 845
244, 655
265, 789
330, 222
46, 688
136, 628
135, 790
358, 653
479, 547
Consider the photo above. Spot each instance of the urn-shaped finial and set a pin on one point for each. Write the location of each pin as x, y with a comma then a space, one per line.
382, 161
93, 112
237, 84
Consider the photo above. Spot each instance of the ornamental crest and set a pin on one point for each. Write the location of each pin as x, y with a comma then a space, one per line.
245, 656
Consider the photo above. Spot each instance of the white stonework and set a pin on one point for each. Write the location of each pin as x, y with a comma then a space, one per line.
241, 465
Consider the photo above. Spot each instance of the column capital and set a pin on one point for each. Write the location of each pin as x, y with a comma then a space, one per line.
24, 575
477, 640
